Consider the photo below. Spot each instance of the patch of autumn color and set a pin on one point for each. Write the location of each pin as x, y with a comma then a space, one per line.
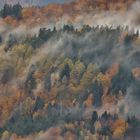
52, 12
28, 12
39, 74
8, 102
32, 16
42, 95
69, 136
11, 21
136, 72
103, 78
53, 134
75, 88
53, 92
119, 128
69, 126
49, 10
108, 99
119, 7
112, 71
89, 101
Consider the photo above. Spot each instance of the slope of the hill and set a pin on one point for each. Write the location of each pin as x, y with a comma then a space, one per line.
70, 71
60, 83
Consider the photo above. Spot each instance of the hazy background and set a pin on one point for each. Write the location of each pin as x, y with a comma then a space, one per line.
32, 2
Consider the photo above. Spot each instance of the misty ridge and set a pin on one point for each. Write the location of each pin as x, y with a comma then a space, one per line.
71, 75
30, 19
58, 64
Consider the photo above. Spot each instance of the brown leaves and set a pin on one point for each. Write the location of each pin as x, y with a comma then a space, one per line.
119, 127
136, 72
53, 12
89, 101
11, 21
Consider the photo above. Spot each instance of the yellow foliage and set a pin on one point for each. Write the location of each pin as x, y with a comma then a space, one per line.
92, 70
67, 61
76, 73
5, 135
103, 78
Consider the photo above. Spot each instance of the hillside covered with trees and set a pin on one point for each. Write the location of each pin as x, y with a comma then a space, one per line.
68, 83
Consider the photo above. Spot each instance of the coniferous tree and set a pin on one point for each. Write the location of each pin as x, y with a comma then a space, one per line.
17, 11
98, 92
14, 11
94, 117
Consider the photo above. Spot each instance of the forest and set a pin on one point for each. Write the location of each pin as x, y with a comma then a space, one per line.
68, 83
67, 77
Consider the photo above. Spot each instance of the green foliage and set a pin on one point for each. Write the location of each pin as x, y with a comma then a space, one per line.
86, 28
14, 11
39, 104
30, 82
47, 81
121, 80
68, 28
7, 75
77, 72
89, 74
34, 41
65, 72
1, 40
133, 121
43, 36
94, 117
11, 41
6, 10
135, 88
17, 11
98, 93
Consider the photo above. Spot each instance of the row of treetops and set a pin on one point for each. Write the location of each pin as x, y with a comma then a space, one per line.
13, 13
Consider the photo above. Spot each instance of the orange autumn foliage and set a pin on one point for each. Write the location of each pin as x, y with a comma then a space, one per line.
53, 12
89, 101
9, 97
69, 136
28, 12
112, 71
136, 72
119, 128
11, 21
